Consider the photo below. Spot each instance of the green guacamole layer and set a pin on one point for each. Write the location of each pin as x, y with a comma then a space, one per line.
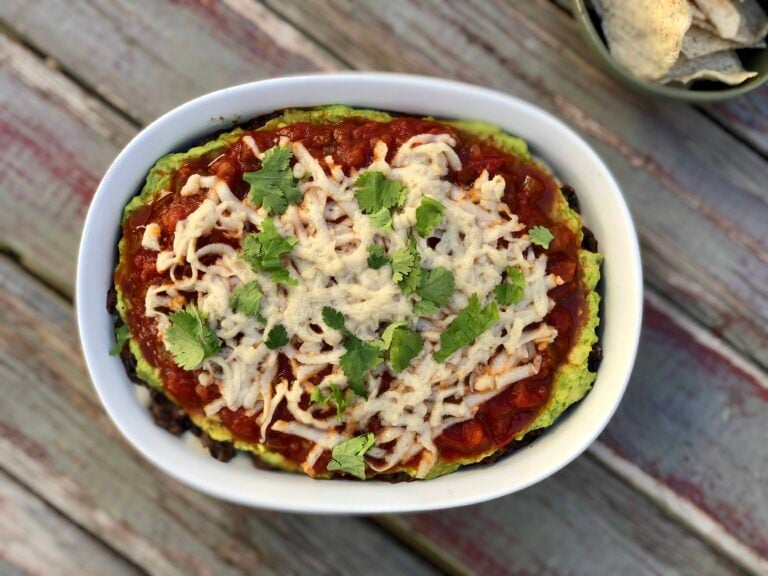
572, 379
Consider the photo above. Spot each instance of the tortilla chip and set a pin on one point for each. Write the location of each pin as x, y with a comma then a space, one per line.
645, 36
722, 66
700, 42
742, 21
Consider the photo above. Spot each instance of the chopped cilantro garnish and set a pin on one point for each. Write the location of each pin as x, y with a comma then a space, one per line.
405, 267
511, 291
541, 236
274, 186
348, 456
377, 256
246, 299
428, 215
382, 219
262, 251
405, 346
334, 319
359, 358
437, 286
402, 344
190, 339
121, 337
277, 337
375, 192
424, 308
402, 263
336, 396
466, 327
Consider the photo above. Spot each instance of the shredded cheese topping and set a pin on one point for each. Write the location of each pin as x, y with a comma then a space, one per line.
479, 238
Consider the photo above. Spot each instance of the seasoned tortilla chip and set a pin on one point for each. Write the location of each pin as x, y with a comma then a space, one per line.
645, 36
700, 42
742, 21
722, 66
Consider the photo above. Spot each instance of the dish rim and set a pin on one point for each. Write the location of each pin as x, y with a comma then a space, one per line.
209, 113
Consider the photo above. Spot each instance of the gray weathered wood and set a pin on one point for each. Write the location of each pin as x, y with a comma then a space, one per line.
38, 540
610, 531
54, 435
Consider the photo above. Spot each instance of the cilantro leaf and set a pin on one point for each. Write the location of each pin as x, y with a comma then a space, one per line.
262, 250
428, 215
466, 327
277, 337
359, 358
246, 299
274, 186
402, 263
437, 286
337, 396
424, 308
317, 397
121, 337
375, 192
348, 456
190, 339
377, 256
382, 219
511, 291
405, 267
389, 331
282, 276
405, 346
334, 319
541, 236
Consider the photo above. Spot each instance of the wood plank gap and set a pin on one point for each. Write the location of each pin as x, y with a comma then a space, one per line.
709, 115
37, 273
50, 61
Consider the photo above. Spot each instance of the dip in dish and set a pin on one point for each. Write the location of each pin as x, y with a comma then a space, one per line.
348, 292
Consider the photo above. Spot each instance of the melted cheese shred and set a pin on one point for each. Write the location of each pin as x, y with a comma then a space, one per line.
478, 239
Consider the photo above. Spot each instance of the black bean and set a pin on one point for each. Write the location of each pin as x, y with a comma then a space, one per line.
589, 242
571, 198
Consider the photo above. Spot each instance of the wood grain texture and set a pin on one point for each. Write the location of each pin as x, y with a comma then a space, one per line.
153, 56
55, 143
610, 531
38, 540
697, 194
54, 435
746, 116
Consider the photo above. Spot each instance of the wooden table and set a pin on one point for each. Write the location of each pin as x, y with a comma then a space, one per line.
678, 483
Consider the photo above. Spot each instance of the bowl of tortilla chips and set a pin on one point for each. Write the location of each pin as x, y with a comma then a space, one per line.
694, 50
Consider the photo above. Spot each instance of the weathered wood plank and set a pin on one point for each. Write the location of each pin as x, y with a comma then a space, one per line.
746, 116
69, 445
37, 540
698, 195
56, 437
156, 55
55, 143
611, 531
